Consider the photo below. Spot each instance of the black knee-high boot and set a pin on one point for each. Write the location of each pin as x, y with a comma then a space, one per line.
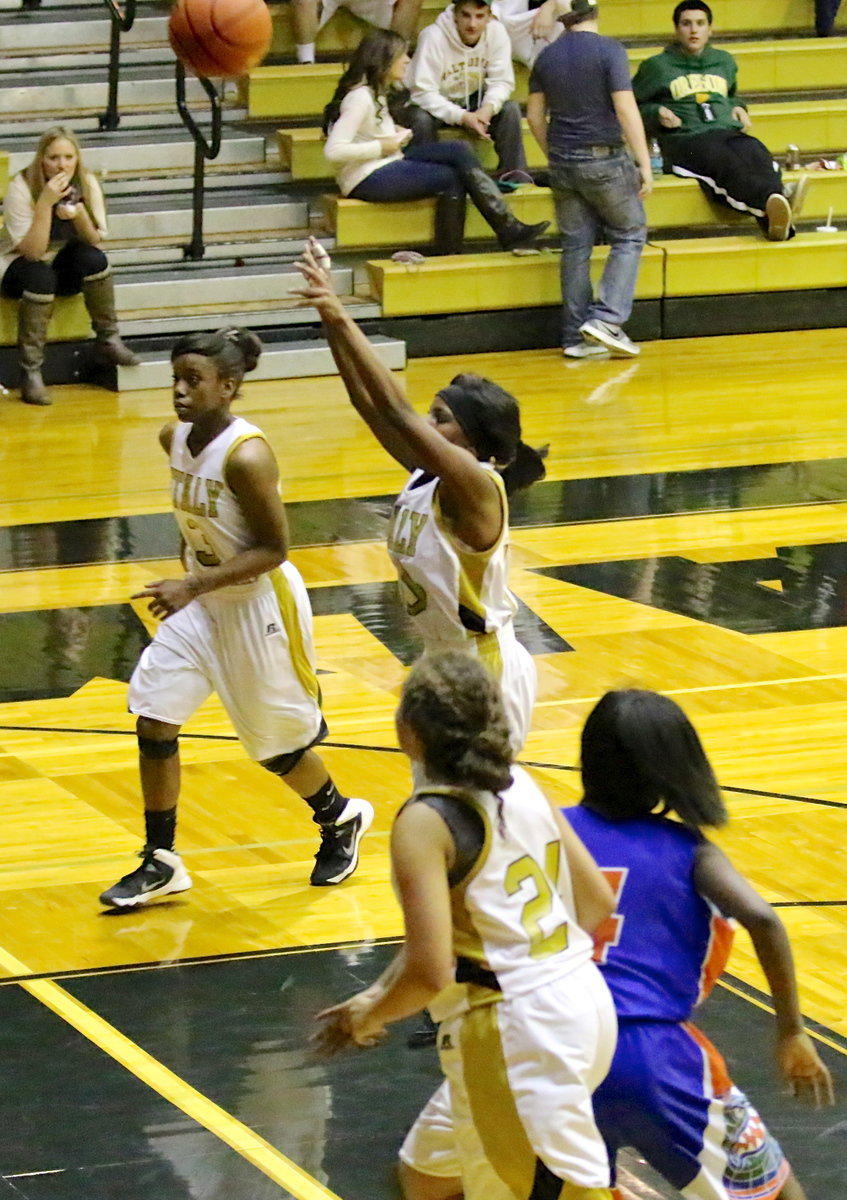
449, 223
488, 198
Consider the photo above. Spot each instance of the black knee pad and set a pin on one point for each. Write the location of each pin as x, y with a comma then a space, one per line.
151, 748
281, 764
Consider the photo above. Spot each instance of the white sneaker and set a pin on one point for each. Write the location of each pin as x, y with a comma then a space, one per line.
612, 337
778, 213
338, 853
162, 873
585, 350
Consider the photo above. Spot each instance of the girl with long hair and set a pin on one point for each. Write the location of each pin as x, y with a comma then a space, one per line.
497, 892
374, 161
650, 795
51, 245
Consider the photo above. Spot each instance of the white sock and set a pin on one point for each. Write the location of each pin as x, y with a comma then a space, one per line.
306, 53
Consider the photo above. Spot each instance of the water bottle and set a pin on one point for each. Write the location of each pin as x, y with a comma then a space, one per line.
656, 158
792, 157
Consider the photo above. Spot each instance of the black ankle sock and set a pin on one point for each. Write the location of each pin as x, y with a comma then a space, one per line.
161, 828
327, 804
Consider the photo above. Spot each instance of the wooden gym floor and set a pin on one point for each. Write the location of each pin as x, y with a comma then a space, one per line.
690, 537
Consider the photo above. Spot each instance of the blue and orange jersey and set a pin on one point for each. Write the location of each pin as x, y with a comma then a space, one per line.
664, 945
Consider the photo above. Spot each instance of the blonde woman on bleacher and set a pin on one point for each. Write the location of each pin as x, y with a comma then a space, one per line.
51, 246
373, 161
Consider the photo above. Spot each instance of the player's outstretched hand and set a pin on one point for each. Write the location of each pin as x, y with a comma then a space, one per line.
167, 596
801, 1065
315, 266
345, 1025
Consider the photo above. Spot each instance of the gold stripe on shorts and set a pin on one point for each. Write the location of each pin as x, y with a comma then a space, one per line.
291, 620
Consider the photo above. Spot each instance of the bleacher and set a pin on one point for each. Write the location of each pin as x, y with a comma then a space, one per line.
271, 185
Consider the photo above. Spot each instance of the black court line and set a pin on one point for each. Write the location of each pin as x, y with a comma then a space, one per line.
808, 903
546, 766
197, 960
601, 499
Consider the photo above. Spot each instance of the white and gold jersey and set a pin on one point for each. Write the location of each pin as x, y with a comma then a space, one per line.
207, 511
514, 912
453, 595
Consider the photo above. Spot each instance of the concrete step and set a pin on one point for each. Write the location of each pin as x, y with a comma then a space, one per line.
32, 125
256, 316
224, 248
140, 155
194, 287
46, 32
87, 94
169, 217
284, 360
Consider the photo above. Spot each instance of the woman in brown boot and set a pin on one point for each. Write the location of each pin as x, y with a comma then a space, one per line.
55, 224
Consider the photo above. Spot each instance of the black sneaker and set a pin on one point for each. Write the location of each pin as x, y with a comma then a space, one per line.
425, 1034
338, 853
161, 873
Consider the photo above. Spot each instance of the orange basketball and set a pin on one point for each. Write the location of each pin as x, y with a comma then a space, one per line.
220, 38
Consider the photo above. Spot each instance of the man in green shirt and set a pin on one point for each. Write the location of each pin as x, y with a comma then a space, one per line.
688, 100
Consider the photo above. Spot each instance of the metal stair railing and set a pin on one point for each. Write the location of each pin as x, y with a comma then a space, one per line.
203, 149
122, 21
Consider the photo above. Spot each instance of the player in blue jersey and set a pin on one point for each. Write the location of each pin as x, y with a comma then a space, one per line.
668, 1094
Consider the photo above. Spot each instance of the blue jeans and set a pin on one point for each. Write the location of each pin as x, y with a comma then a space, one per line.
593, 196
431, 169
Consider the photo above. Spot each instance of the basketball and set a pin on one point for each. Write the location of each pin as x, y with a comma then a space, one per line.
220, 38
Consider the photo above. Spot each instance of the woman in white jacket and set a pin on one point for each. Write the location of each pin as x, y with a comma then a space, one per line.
374, 162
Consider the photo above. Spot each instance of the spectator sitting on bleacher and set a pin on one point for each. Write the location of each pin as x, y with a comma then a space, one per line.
825, 13
367, 150
55, 222
687, 97
309, 16
462, 75
531, 25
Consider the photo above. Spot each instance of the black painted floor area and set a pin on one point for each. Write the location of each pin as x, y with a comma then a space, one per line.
75, 1126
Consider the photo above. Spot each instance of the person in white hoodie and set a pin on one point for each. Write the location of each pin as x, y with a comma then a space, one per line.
531, 26
461, 74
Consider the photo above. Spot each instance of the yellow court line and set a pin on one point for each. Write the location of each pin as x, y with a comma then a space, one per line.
176, 1091
706, 687
819, 1037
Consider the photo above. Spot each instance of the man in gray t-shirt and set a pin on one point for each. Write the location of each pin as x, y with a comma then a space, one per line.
582, 113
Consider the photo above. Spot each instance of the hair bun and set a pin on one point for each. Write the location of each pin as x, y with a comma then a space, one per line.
248, 342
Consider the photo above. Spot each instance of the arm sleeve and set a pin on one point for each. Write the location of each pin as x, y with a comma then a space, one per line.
425, 79
18, 210
647, 96
97, 205
500, 74
732, 82
341, 146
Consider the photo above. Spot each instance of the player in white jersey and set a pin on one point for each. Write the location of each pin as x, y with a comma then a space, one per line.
497, 894
238, 623
449, 532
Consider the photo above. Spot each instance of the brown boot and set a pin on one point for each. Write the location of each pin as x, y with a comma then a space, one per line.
33, 320
99, 295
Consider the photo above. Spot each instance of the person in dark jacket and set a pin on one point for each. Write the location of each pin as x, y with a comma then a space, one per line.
688, 100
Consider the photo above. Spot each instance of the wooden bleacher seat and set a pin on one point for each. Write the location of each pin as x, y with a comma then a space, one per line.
675, 203
4, 172
477, 283
631, 19
727, 266
686, 267
301, 151
627, 19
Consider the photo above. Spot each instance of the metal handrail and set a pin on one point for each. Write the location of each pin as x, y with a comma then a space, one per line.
202, 150
122, 21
